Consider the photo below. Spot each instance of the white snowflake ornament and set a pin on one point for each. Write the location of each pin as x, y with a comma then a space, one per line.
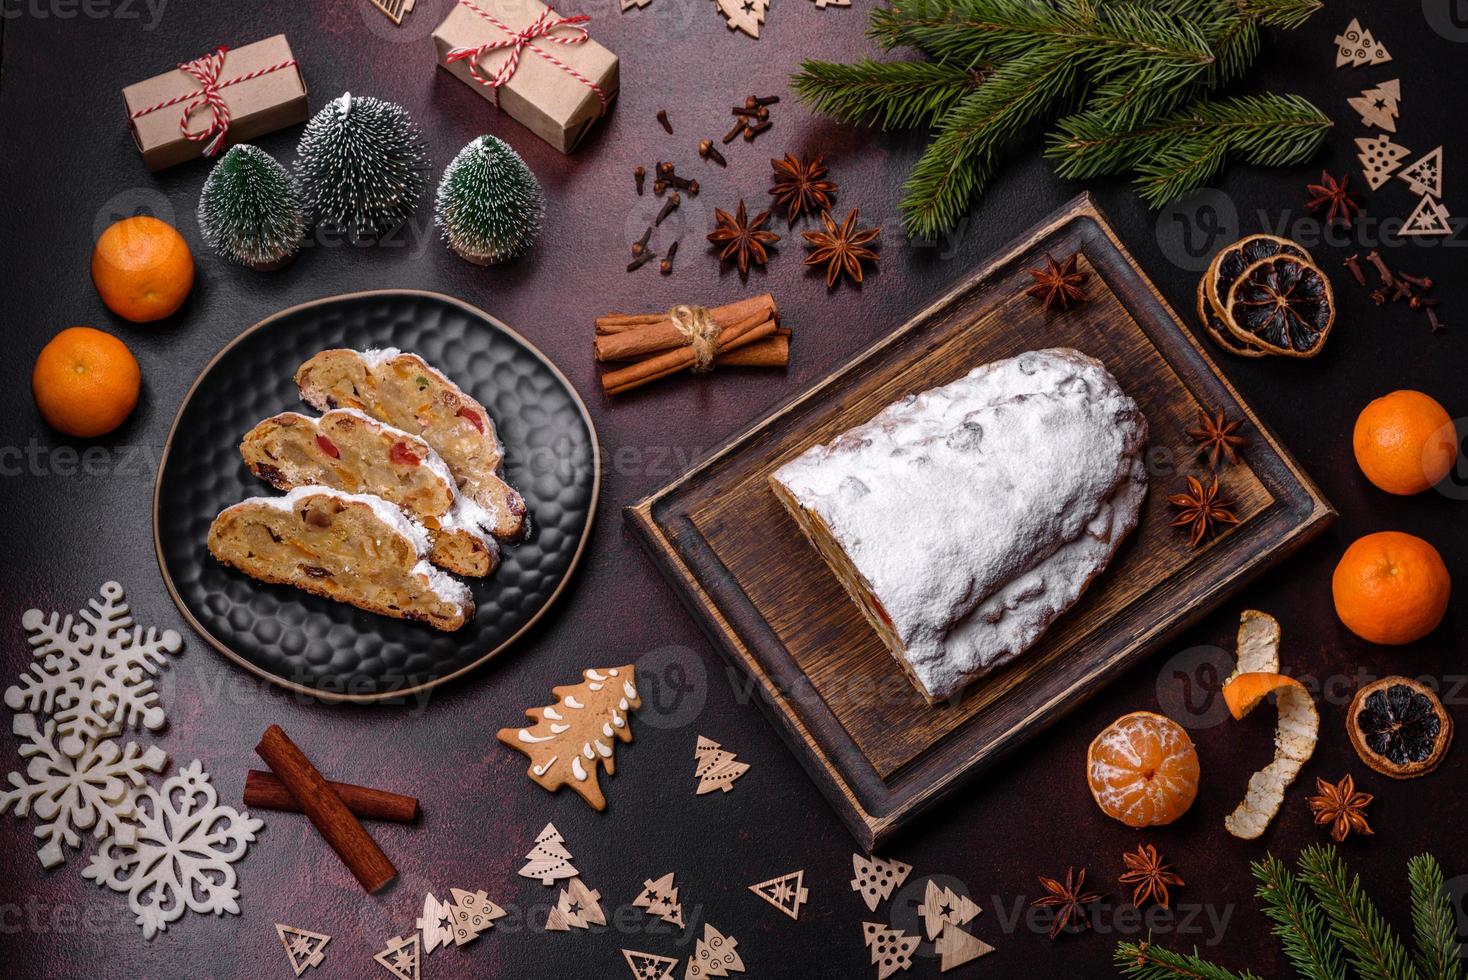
94, 674
183, 855
95, 790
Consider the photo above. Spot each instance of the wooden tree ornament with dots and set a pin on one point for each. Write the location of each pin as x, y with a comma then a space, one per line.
715, 767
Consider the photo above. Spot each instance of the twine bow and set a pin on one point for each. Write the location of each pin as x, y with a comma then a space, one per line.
697, 324
540, 29
206, 71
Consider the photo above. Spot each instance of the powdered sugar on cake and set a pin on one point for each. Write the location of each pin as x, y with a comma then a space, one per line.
976, 513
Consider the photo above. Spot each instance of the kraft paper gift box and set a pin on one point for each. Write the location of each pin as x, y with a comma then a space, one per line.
261, 88
561, 81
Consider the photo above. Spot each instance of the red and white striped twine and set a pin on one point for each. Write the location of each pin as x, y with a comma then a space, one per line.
205, 71
517, 41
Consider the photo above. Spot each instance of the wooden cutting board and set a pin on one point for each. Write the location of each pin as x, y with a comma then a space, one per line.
768, 601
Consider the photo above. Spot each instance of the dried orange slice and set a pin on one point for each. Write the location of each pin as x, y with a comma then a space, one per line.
1282, 304
1143, 770
1217, 330
1228, 265
1399, 727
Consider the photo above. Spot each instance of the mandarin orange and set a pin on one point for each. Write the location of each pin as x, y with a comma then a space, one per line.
142, 269
1143, 770
85, 382
1391, 588
1405, 442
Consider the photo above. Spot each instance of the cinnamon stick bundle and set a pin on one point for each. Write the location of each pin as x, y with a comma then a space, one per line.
625, 338
682, 358
344, 832
265, 791
650, 346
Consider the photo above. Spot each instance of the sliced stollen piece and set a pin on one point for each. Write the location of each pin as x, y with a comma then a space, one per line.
965, 519
401, 389
348, 450
353, 548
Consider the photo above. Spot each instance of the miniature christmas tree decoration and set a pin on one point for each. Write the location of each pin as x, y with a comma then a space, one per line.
472, 914
956, 947
716, 768
891, 948
489, 205
400, 958
1429, 218
1379, 106
714, 955
660, 899
568, 740
876, 878
626, 6
649, 966
943, 906
363, 166
548, 860
744, 15
1380, 158
1356, 47
786, 893
1425, 177
577, 907
436, 923
250, 210
302, 947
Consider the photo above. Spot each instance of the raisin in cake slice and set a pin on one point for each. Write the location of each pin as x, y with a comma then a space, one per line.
353, 548
402, 390
964, 520
347, 450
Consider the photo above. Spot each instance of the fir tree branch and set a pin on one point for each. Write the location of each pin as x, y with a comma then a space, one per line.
1298, 922
1286, 14
888, 94
1144, 961
961, 159
1434, 929
1372, 945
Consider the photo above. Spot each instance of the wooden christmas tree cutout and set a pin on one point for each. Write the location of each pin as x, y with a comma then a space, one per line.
570, 738
823, 4
744, 15
400, 958
892, 949
1427, 219
302, 947
660, 899
548, 860
1379, 106
472, 914
1356, 47
629, 4
436, 923
715, 767
577, 908
649, 966
957, 947
943, 906
786, 893
1380, 158
714, 955
876, 878
1425, 177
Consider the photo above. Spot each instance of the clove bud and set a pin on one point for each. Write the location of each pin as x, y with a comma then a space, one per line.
639, 174
667, 265
752, 131
707, 151
663, 118
669, 206
732, 134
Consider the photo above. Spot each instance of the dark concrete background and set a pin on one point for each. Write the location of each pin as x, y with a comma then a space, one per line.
69, 168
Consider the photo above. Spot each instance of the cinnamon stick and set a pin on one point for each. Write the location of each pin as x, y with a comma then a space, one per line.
265, 791
773, 351
660, 366
620, 322
344, 832
633, 345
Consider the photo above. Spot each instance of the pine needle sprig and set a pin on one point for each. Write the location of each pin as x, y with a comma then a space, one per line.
1144, 961
1434, 924
1284, 14
887, 94
1298, 922
1371, 944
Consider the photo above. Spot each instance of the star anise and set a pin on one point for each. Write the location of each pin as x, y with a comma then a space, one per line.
841, 248
1218, 437
801, 186
1149, 875
1335, 197
1060, 285
1068, 900
744, 240
1202, 509
1340, 806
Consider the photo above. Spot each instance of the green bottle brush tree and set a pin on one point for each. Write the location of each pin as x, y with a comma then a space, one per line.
250, 210
1131, 82
489, 205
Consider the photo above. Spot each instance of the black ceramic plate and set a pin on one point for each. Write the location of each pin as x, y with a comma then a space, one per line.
325, 648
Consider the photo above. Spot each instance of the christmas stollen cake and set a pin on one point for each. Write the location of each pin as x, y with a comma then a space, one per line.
348, 450
965, 519
354, 548
402, 390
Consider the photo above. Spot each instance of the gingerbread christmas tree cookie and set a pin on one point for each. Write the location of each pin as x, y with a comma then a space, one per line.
569, 739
